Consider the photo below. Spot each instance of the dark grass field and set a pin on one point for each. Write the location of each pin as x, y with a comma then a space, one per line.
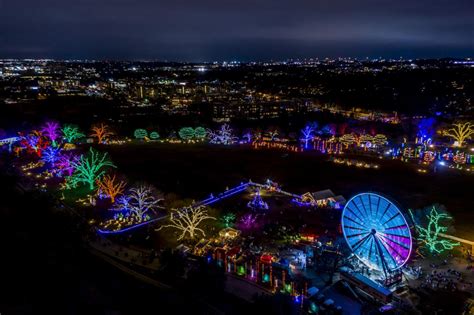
194, 171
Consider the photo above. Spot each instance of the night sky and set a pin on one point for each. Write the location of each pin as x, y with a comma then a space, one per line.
198, 30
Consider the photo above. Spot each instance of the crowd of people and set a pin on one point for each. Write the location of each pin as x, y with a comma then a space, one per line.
446, 280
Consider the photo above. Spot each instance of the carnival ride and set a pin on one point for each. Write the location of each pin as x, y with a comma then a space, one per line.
377, 232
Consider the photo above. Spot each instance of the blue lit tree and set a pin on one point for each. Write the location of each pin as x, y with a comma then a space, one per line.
51, 155
307, 134
224, 135
426, 128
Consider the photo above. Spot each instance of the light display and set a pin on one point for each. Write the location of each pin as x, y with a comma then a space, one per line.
186, 133
248, 220
71, 133
51, 155
376, 232
200, 133
460, 132
89, 168
247, 137
187, 221
257, 202
110, 186
140, 133
64, 164
428, 156
154, 135
365, 140
224, 135
51, 131
101, 132
459, 158
430, 235
273, 133
34, 143
228, 219
347, 140
139, 201
426, 128
379, 140
307, 135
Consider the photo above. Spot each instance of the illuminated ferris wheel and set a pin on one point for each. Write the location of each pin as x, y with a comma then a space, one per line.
376, 232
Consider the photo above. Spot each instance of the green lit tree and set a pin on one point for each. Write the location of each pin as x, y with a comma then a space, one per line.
429, 235
71, 133
228, 219
140, 133
186, 133
154, 135
200, 133
89, 168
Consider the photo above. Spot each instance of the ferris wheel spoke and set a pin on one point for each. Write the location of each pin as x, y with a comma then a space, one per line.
352, 220
356, 207
354, 228
359, 243
360, 219
370, 206
393, 217
394, 235
378, 208
403, 226
385, 211
395, 242
363, 206
380, 247
393, 249
357, 234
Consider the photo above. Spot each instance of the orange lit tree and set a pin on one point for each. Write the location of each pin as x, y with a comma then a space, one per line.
110, 186
101, 132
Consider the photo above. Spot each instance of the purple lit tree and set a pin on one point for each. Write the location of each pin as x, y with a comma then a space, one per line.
51, 131
248, 220
64, 164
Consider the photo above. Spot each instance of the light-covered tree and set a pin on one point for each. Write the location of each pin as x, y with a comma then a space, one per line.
51, 155
186, 133
347, 139
51, 131
224, 135
101, 132
110, 186
71, 133
89, 168
154, 135
139, 201
200, 133
365, 138
379, 140
429, 235
460, 132
307, 134
187, 220
140, 133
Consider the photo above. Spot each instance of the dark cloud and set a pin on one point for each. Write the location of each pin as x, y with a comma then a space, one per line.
230, 29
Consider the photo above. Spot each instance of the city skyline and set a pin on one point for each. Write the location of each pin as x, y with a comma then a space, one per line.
244, 31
